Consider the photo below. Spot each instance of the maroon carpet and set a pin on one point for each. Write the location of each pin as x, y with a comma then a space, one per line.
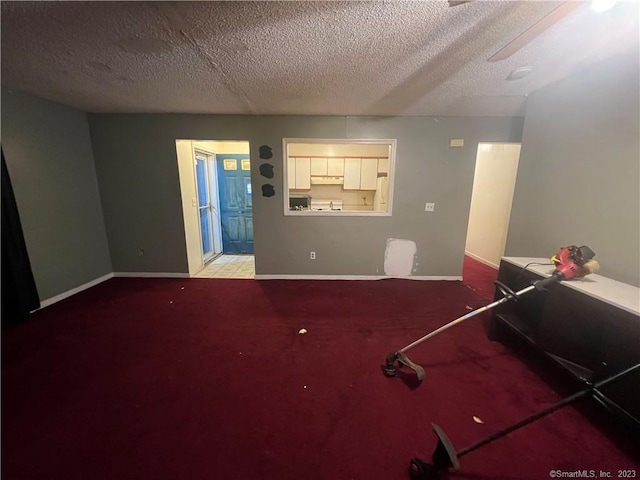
210, 379
479, 277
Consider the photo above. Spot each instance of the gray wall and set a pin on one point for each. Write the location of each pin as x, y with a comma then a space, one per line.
578, 182
579, 171
48, 153
138, 174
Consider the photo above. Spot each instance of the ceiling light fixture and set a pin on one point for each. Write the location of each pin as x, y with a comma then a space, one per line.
519, 73
602, 5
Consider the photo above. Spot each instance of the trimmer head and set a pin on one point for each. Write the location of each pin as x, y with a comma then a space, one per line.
444, 457
421, 470
402, 359
390, 365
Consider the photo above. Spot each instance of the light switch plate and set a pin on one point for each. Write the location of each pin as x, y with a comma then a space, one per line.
429, 207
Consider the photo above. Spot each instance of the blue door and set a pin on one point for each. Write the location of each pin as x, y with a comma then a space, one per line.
236, 214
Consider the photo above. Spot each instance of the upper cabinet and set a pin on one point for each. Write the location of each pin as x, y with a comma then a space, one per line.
352, 173
319, 167
383, 165
327, 167
360, 173
369, 174
355, 173
335, 167
299, 173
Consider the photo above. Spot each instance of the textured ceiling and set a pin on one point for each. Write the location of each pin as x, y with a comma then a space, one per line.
299, 58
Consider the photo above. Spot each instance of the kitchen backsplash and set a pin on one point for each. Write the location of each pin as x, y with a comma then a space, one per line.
352, 200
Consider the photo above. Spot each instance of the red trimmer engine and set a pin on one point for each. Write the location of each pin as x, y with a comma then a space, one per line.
571, 262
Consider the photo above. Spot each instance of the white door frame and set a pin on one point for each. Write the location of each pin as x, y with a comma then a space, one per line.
185, 154
215, 204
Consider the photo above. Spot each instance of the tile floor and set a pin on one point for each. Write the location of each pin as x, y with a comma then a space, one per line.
229, 266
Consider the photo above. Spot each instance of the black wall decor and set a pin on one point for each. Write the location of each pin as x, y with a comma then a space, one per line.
266, 152
268, 190
266, 170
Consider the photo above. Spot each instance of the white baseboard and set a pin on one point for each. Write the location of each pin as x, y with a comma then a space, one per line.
151, 275
352, 277
93, 283
481, 260
73, 291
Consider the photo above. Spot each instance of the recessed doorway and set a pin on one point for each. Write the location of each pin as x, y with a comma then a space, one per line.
215, 183
491, 198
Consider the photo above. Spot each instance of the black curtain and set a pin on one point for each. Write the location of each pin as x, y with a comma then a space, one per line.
19, 293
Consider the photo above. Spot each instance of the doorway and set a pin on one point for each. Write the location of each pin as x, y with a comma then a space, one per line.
215, 183
236, 210
491, 198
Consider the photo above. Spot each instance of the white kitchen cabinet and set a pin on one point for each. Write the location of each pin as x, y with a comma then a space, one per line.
360, 173
352, 168
319, 167
299, 173
383, 165
291, 173
327, 167
368, 174
303, 173
335, 167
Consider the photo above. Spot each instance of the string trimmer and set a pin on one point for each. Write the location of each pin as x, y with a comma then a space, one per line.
570, 262
446, 456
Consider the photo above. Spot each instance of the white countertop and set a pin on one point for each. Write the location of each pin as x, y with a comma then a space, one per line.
622, 295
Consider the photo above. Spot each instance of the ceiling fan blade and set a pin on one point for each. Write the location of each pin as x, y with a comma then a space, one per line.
455, 3
536, 29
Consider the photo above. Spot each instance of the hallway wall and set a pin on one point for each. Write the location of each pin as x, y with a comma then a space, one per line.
579, 174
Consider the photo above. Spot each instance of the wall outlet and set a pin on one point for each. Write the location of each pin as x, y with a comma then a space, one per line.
312, 255
429, 207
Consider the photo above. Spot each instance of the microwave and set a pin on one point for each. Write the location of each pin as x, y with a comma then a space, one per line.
299, 202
